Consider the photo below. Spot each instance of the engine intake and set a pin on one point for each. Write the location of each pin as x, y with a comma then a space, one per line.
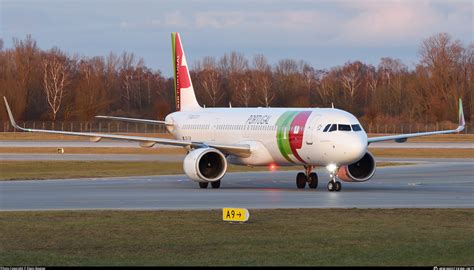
205, 165
359, 171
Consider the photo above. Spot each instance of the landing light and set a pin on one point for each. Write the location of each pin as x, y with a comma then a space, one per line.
331, 167
272, 167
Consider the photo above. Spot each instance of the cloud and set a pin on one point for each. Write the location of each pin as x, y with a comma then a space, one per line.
175, 19
357, 23
334, 23
335, 30
290, 20
389, 22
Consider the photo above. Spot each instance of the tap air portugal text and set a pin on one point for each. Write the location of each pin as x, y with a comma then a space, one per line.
214, 137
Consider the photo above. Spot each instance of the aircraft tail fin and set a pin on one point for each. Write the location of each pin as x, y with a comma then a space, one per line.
183, 86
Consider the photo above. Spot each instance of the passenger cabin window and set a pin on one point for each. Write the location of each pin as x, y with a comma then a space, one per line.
333, 128
356, 128
344, 127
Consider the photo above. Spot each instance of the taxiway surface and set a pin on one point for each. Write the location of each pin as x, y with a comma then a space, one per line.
442, 183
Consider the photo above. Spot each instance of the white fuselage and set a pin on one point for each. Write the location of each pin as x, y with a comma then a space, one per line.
280, 136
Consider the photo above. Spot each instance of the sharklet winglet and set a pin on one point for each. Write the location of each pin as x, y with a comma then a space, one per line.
10, 115
462, 121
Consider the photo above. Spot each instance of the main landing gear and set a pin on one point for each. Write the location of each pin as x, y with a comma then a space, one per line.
308, 177
312, 179
215, 184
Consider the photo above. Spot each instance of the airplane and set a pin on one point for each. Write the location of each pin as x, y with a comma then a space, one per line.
215, 137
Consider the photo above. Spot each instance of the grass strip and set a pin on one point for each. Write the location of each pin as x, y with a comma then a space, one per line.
325, 237
423, 152
41, 170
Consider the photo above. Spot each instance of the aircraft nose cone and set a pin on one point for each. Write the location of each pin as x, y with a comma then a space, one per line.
355, 148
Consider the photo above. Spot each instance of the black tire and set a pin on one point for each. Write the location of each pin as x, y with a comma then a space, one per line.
338, 186
216, 184
300, 180
331, 186
203, 184
313, 180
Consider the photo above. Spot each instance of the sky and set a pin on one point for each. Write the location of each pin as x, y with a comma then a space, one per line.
323, 33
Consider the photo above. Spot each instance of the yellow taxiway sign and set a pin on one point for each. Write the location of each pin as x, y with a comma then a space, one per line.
235, 214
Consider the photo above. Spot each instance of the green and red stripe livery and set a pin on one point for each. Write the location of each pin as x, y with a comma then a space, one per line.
290, 131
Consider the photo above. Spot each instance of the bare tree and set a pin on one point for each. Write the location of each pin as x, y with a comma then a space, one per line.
127, 70
91, 97
392, 72
209, 79
286, 67
263, 86
243, 91
231, 68
260, 63
262, 80
468, 80
351, 78
372, 80
309, 77
327, 87
442, 59
233, 63
25, 55
288, 82
210, 84
55, 79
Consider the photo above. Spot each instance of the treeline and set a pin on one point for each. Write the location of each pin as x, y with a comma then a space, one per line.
52, 85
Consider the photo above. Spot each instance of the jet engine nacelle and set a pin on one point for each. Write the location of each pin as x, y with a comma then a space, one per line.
205, 165
359, 171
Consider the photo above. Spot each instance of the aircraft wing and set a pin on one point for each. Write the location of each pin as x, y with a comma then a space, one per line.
242, 150
135, 120
403, 137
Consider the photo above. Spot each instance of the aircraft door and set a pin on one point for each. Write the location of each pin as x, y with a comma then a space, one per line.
310, 127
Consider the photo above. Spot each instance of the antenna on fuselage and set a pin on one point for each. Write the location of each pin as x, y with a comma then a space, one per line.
230, 104
332, 105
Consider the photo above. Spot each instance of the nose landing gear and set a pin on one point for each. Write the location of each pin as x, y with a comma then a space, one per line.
333, 184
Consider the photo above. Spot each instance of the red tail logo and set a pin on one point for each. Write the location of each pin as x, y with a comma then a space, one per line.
187, 99
182, 79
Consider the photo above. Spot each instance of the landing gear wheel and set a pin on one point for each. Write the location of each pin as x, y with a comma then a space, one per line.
203, 184
300, 180
216, 184
331, 186
313, 180
337, 186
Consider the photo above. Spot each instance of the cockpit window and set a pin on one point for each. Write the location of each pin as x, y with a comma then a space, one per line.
327, 127
344, 127
356, 128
